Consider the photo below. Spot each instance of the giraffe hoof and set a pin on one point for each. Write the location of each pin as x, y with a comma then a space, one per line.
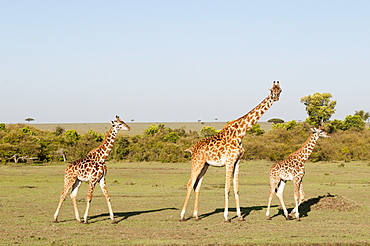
182, 220
228, 221
55, 221
288, 217
197, 219
298, 219
114, 222
268, 218
241, 219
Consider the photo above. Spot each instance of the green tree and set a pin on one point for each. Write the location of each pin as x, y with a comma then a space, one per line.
354, 122
256, 129
153, 129
91, 134
59, 130
208, 131
288, 125
319, 107
276, 120
72, 136
29, 119
364, 115
172, 137
2, 127
335, 125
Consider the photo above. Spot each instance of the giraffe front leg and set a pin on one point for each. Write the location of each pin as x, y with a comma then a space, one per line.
229, 174
297, 192
236, 191
88, 200
301, 198
103, 187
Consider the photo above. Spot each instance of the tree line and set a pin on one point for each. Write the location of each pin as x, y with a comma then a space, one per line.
350, 139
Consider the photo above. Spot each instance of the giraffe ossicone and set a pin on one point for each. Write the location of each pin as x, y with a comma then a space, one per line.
225, 149
292, 169
90, 169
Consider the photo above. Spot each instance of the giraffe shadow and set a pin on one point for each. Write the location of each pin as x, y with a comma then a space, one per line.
120, 216
305, 206
245, 211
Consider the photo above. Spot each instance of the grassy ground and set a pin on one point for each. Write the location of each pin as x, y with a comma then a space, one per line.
147, 198
138, 128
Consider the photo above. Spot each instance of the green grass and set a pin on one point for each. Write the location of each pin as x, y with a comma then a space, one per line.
147, 198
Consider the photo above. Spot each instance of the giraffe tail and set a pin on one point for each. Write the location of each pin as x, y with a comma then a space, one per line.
189, 150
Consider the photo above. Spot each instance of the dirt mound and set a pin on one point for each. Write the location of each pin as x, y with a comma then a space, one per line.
334, 202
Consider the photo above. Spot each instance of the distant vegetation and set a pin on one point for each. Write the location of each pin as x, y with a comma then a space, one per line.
20, 142
349, 141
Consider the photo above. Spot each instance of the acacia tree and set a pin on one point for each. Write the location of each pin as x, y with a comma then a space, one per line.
29, 119
319, 107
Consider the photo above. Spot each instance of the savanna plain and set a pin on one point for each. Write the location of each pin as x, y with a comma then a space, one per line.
147, 199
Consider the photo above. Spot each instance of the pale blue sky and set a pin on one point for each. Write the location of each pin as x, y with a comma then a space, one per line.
157, 61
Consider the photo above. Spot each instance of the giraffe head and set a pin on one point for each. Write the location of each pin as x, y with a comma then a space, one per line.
119, 124
320, 132
275, 91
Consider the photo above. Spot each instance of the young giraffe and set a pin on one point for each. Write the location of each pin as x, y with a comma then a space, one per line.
90, 169
225, 149
292, 169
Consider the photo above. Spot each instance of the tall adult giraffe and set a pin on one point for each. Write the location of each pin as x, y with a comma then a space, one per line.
292, 169
90, 169
225, 149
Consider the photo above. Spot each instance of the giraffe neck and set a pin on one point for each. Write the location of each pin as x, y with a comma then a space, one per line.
305, 151
101, 152
239, 127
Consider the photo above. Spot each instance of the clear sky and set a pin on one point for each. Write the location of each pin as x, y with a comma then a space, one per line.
158, 61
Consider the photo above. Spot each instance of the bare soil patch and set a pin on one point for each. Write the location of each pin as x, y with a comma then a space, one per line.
335, 202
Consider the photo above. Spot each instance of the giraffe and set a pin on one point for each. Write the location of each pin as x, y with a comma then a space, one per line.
292, 169
90, 169
225, 149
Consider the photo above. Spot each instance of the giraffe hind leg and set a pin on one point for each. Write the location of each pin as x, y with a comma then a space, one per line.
67, 186
104, 189
196, 187
193, 183
73, 196
298, 191
279, 194
273, 189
